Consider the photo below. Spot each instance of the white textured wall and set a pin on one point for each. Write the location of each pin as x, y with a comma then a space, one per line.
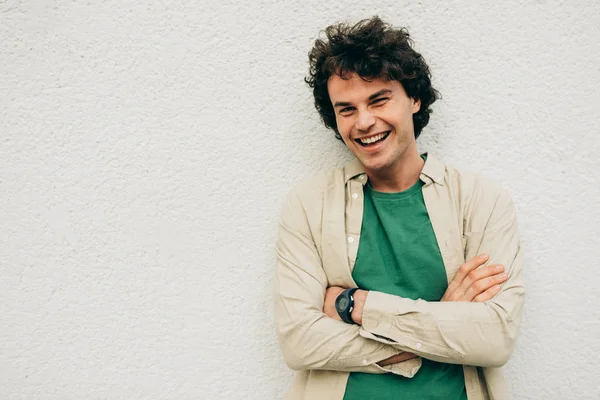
145, 150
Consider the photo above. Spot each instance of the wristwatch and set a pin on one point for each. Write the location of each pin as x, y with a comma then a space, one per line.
344, 304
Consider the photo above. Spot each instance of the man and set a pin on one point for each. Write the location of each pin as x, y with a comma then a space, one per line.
428, 306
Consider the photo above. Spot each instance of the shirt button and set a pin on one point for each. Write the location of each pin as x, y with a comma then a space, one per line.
365, 362
418, 345
354, 195
350, 239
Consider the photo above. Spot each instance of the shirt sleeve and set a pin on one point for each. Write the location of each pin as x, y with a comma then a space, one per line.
479, 334
309, 339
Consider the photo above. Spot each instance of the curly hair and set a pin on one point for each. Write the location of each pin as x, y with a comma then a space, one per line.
372, 49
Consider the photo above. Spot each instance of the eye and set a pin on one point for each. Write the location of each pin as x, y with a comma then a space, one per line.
346, 110
380, 100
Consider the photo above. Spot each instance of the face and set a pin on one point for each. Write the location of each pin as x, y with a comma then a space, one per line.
374, 119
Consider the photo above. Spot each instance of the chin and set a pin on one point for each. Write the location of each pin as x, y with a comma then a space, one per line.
375, 165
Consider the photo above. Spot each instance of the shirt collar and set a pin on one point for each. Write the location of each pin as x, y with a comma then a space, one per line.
433, 171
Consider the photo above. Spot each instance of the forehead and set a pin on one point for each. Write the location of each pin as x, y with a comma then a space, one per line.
353, 87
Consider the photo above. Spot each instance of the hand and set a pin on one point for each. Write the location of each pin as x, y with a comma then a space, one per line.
329, 304
396, 359
475, 284
470, 284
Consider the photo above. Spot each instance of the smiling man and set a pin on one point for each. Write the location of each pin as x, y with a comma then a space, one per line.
398, 276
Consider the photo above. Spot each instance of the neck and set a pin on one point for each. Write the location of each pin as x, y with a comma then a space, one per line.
400, 176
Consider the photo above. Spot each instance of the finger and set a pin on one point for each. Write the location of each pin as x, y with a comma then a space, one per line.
487, 295
484, 284
480, 273
454, 292
467, 267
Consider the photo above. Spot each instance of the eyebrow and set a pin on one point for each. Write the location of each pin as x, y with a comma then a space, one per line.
371, 97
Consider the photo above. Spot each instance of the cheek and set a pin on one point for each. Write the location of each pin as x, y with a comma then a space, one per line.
344, 127
399, 118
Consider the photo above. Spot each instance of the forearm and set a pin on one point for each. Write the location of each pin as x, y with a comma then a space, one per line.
481, 334
311, 340
321, 346
463, 332
308, 338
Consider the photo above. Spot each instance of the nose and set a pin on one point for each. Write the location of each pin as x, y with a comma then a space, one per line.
365, 120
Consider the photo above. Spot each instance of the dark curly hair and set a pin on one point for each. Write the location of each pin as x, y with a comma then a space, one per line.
372, 49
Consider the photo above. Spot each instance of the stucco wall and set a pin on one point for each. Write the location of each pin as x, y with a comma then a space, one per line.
146, 147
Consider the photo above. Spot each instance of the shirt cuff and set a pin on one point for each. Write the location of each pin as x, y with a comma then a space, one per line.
377, 316
405, 324
407, 368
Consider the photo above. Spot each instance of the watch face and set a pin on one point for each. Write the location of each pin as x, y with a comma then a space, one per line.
343, 303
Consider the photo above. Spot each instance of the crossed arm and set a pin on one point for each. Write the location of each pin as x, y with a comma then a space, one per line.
472, 283
478, 333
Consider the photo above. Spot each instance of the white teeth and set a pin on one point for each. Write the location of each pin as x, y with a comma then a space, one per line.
372, 139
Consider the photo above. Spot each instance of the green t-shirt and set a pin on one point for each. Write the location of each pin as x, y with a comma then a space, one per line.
398, 254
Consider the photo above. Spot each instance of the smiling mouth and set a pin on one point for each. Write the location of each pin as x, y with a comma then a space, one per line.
373, 140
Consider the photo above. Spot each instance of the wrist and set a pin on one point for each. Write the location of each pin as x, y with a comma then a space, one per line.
360, 297
344, 304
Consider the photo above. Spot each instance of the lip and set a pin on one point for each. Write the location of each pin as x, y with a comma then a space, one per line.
376, 147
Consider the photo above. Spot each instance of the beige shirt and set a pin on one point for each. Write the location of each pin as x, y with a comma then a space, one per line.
317, 246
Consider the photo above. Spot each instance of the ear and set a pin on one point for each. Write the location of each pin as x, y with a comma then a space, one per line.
416, 105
